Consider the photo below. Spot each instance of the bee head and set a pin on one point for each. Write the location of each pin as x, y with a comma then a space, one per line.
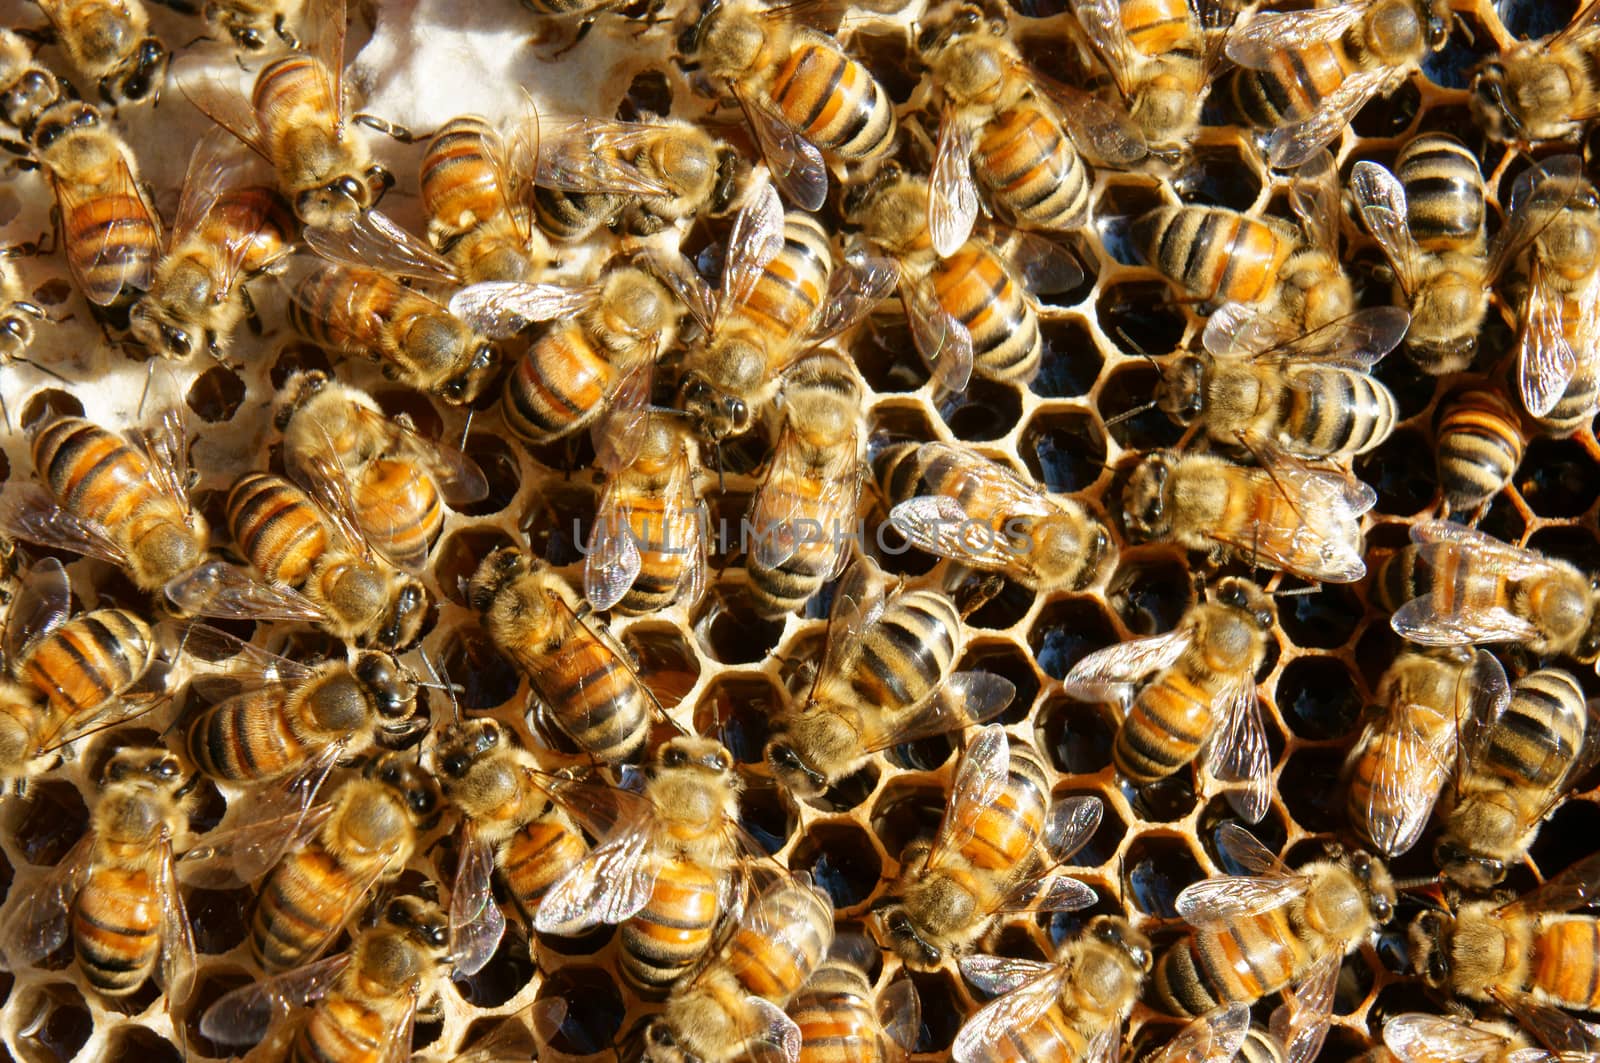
402, 621
1183, 389
297, 391
501, 568
1429, 941
801, 778
464, 744
468, 384
1145, 498
914, 950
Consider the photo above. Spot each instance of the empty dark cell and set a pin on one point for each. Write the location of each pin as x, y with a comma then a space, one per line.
1218, 177
727, 537
904, 814
50, 404
1132, 389
1571, 544
1038, 8
1354, 985
740, 711
594, 1011
558, 524
216, 394
1150, 597
764, 811
1388, 117
887, 356
648, 96
1163, 801
296, 358
730, 630
1413, 389
208, 989
1558, 478
135, 1044
1066, 631
1323, 620
1004, 609
1451, 65
1064, 451
1015, 941
1342, 1046
849, 791
1140, 317
458, 556
50, 822
573, 455
1071, 361
1532, 19
893, 422
1003, 660
508, 970
1315, 798
53, 292
986, 410
667, 666
471, 660
942, 1011
1155, 870
1318, 698
1271, 831
218, 918
1103, 844
1568, 836
425, 1033
1503, 520
888, 56
1401, 471
63, 1026
1077, 736
923, 755
896, 554
499, 464
841, 860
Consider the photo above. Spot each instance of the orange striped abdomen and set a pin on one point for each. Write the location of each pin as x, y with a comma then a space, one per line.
783, 302
1156, 27
290, 99
662, 535
1166, 726
276, 526
304, 899
247, 738
342, 1029
671, 932
593, 696
399, 507
116, 923
460, 185
1215, 254
355, 310
1480, 447
110, 240
533, 858
832, 100
558, 387
1009, 827
1029, 168
1294, 85
1565, 965
94, 474
1240, 962
89, 660
978, 290
776, 967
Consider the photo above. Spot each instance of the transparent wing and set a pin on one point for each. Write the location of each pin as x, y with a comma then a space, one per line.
1244, 850
514, 155
854, 288
217, 165
965, 699
1404, 783
1237, 752
1417, 1037
228, 107
1227, 899
42, 604
755, 240
1546, 361
794, 493
1241, 329
322, 30
1423, 621
501, 309
1214, 1037
1002, 974
613, 562
31, 514
900, 1013
374, 242
994, 1025
1043, 266
281, 820
39, 920
610, 884
941, 339
120, 244
1551, 1026
1102, 21
1263, 35
1301, 1022
476, 922
980, 779
1576, 887
618, 433
594, 155
1293, 144
858, 601
952, 191
244, 1015
1070, 824
777, 1038
1357, 341
1105, 133
1110, 674
163, 439
178, 961
1381, 204
458, 477
1538, 196
795, 163
227, 592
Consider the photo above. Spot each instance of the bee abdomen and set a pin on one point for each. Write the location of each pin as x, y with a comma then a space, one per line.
775, 968
672, 931
276, 526
117, 228
574, 215
1029, 167
534, 858
1535, 740
91, 471
833, 101
1444, 192
1166, 726
908, 651
595, 699
90, 659
977, 289
1480, 446
1338, 411
557, 387
458, 183
116, 922
1177, 986
307, 896
245, 739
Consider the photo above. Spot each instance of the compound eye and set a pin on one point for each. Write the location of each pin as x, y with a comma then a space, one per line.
455, 765
350, 188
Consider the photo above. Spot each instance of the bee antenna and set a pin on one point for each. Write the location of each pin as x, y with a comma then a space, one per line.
721, 482
466, 428
1406, 885
41, 367
1314, 588
1131, 413
440, 684
149, 376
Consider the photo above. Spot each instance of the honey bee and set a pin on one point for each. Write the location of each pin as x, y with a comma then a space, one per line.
1416, 1037
66, 673
735, 1003
1202, 698
973, 309
1523, 954
110, 41
586, 686
1162, 57
1218, 1036
952, 501
1246, 388
295, 119
1219, 256
887, 676
109, 228
1303, 520
517, 819
27, 89
1072, 1008
668, 876
997, 850
293, 541
1006, 128
1473, 589
806, 506
476, 193
354, 459
1479, 444
1271, 929
1432, 701
648, 548
841, 1021
801, 93
1307, 73
782, 292
334, 855
1517, 768
248, 22
641, 177
228, 229
116, 892
360, 1005
1543, 89
594, 369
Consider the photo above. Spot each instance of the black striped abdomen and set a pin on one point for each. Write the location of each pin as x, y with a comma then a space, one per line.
1293, 85
832, 100
1334, 411
535, 857
1480, 446
1576, 406
775, 968
459, 184
111, 243
304, 899
558, 387
1029, 168
574, 215
908, 652
1444, 193
1011, 825
276, 526
92, 472
246, 737
116, 929
89, 660
399, 508
662, 535
670, 934
978, 290
784, 300
1165, 727
594, 697
1536, 739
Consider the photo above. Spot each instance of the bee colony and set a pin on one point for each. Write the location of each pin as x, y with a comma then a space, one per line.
389, 696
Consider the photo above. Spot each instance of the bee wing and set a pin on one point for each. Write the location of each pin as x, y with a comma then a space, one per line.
42, 604
965, 699
1329, 505
1551, 1026
1404, 784
1239, 329
514, 158
613, 560
858, 601
244, 1015
1263, 35
374, 242
679, 274
1110, 674
854, 289
941, 339
900, 1015
1417, 1037
1070, 823
228, 107
1315, 197
1381, 204
31, 514
39, 919
618, 433
794, 161
223, 591
610, 884
1043, 266
1229, 898
1512, 561
1538, 196
330, 493
476, 922
1102, 22
1576, 887
1357, 341
952, 191
591, 155
1237, 751
514, 1042
322, 30
781, 510
395, 1047
1293, 144
136, 267
1301, 1023
1105, 133
776, 1037
1546, 361
217, 165
1422, 621
501, 309
1036, 987
755, 240
178, 962
458, 477
939, 525
980, 779
1214, 1037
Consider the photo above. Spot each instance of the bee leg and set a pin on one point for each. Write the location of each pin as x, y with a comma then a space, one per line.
379, 180
18, 148
388, 128
45, 34
251, 318
280, 26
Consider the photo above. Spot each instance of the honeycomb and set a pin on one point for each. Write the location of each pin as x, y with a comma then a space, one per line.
715, 666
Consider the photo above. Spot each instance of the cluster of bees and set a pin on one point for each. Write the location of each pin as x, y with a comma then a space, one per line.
598, 807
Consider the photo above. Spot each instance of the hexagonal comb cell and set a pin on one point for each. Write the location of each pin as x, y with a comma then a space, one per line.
1066, 631
1065, 451
841, 859
135, 1044
1318, 698
1558, 478
1155, 870
56, 1022
738, 709
594, 1009
1071, 361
